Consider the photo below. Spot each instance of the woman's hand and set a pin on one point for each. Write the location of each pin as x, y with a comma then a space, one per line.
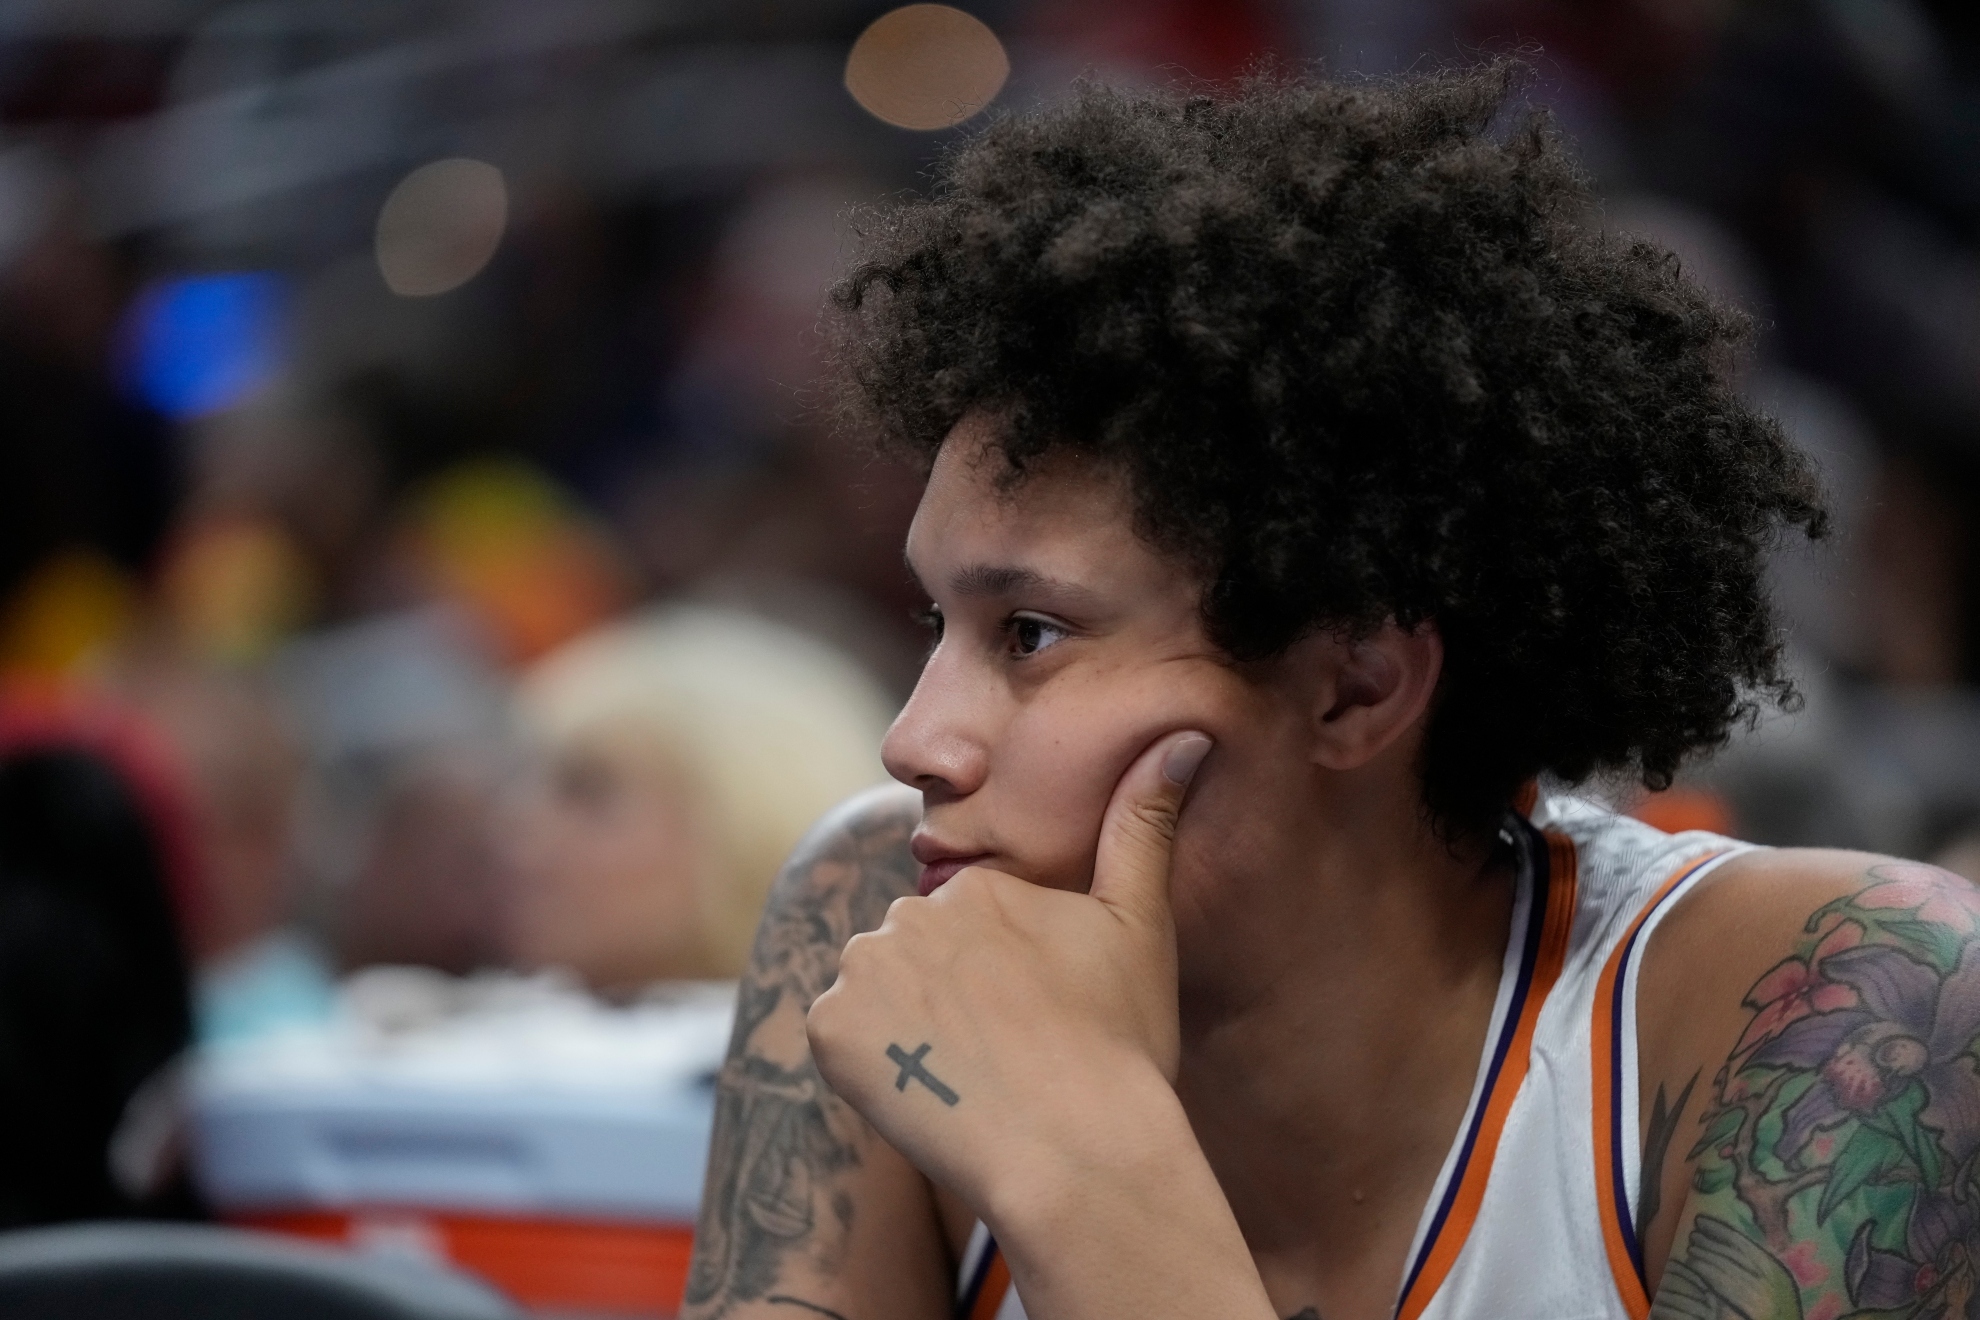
1019, 1044
1001, 1034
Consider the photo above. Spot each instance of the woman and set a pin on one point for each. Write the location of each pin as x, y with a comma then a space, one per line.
97, 878
686, 751
1310, 476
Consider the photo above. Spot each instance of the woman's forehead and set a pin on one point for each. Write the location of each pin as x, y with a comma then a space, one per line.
1067, 520
972, 494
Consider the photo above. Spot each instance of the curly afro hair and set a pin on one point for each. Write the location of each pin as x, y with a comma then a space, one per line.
1363, 355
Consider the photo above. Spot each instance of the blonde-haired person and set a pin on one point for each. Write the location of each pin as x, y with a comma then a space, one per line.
684, 753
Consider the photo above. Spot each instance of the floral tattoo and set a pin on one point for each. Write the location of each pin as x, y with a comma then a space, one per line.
1838, 1174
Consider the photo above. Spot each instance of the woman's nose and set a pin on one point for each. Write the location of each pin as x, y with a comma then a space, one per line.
932, 746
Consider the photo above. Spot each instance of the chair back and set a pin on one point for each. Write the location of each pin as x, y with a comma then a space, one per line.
136, 1271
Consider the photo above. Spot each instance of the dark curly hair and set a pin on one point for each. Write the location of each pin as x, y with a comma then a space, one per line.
1364, 354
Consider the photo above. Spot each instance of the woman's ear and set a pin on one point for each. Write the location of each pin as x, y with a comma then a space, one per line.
1372, 691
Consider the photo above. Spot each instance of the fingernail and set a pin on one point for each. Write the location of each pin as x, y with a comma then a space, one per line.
1184, 757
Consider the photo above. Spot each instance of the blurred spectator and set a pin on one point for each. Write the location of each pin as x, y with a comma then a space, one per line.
403, 724
425, 889
683, 755
242, 772
231, 422
282, 525
94, 998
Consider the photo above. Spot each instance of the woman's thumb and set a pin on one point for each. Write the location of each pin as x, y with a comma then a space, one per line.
1131, 868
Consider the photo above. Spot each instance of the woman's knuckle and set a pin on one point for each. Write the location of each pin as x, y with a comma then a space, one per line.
820, 1021
858, 950
1156, 814
971, 885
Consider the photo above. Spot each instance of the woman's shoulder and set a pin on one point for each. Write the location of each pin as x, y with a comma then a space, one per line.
1807, 994
860, 848
807, 1207
1776, 935
838, 882
877, 820
1715, 959
1765, 904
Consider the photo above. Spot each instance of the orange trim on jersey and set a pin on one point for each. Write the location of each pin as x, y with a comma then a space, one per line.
1619, 1237
996, 1282
1558, 923
1527, 797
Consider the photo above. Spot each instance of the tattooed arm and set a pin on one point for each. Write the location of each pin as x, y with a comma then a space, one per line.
1828, 1006
806, 1211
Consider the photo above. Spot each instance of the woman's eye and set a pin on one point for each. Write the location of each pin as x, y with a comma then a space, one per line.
931, 619
1030, 635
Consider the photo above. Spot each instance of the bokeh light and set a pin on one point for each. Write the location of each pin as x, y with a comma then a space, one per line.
235, 587
500, 539
196, 344
72, 607
440, 226
926, 67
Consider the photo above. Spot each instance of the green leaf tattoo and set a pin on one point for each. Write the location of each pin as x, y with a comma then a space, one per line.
1838, 1162
1867, 1156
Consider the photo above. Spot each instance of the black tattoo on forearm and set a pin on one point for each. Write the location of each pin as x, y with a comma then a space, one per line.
782, 1299
1656, 1145
781, 1136
913, 1070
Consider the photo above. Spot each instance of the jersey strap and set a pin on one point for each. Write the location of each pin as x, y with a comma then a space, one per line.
1541, 960
986, 1278
1619, 1227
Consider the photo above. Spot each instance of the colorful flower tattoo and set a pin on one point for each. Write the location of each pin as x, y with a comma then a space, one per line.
1838, 1174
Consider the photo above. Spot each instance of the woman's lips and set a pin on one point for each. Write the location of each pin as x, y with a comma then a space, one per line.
936, 874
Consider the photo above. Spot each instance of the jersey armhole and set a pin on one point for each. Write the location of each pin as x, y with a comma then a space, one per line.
1617, 1080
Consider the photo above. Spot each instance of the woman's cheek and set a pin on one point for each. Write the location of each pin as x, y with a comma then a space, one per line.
1060, 771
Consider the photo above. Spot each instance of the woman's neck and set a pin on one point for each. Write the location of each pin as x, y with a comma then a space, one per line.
1332, 1029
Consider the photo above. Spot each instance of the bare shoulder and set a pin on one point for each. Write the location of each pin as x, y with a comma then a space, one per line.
1809, 1022
1712, 953
1744, 917
805, 1210
837, 883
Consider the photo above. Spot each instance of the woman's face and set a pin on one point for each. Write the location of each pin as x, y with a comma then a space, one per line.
603, 861
1066, 646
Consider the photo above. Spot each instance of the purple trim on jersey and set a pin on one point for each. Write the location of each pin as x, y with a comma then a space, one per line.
966, 1301
1625, 1215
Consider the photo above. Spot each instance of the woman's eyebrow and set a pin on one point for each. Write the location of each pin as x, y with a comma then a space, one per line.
994, 580
1011, 579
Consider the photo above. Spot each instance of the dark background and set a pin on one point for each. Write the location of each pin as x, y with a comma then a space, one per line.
223, 436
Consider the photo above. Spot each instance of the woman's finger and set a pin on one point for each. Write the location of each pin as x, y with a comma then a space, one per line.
1131, 868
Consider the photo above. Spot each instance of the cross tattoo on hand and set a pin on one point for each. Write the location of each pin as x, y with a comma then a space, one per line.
912, 1070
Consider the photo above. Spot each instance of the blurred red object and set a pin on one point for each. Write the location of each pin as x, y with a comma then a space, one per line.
561, 1266
1209, 39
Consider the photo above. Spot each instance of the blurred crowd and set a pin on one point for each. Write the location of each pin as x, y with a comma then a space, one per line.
420, 541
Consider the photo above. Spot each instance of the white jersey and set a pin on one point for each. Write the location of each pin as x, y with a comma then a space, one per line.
1532, 1214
